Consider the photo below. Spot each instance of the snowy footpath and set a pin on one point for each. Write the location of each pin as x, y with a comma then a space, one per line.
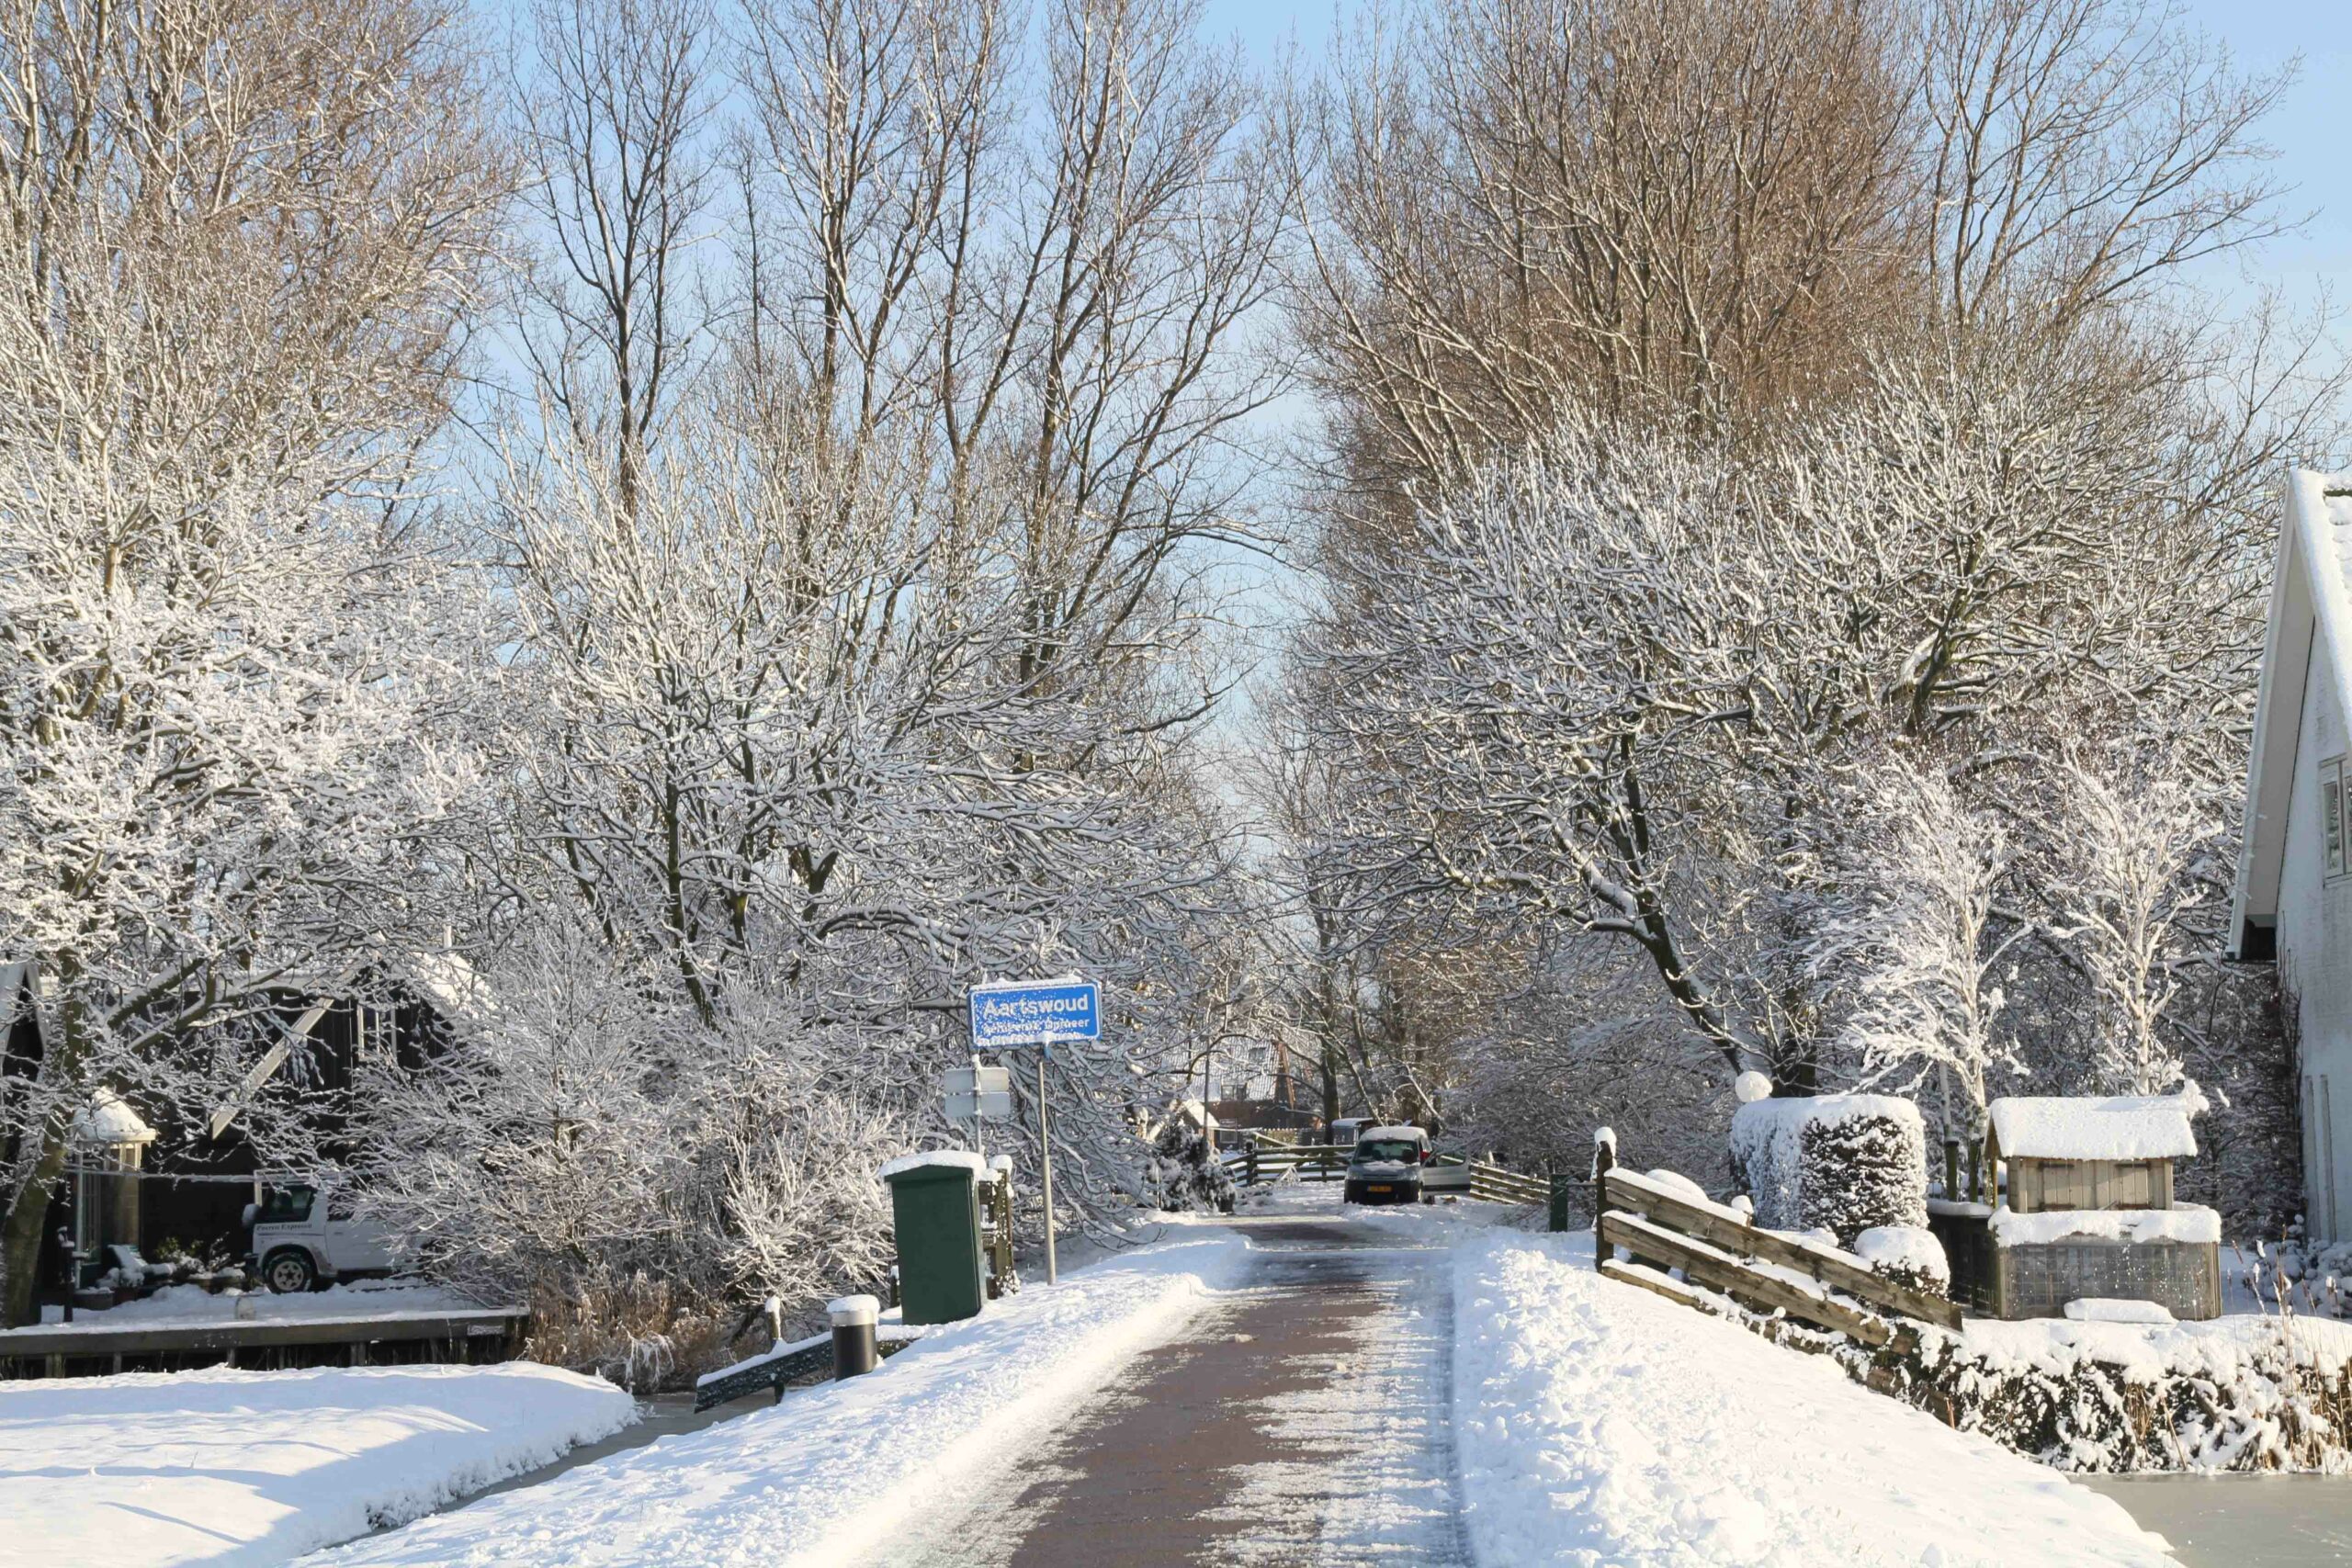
830, 1475
223, 1467
1601, 1425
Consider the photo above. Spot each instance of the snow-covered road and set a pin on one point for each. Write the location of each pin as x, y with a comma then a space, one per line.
1305, 1419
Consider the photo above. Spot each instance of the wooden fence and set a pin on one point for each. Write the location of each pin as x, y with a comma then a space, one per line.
1716, 1247
1270, 1161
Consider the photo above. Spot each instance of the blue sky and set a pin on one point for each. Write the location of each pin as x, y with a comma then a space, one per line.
2312, 131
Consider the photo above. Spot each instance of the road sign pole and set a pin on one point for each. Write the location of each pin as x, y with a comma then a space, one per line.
1045, 1166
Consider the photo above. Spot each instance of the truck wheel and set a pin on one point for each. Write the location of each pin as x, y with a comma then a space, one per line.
288, 1271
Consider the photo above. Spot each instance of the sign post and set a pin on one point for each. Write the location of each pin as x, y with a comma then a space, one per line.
1037, 1012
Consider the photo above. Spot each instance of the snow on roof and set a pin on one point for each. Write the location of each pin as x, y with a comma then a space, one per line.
2123, 1126
109, 1119
1371, 1132
453, 985
936, 1159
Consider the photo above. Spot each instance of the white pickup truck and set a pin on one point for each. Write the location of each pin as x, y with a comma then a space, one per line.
305, 1235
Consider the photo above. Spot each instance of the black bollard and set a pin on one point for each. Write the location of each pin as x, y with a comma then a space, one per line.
853, 1334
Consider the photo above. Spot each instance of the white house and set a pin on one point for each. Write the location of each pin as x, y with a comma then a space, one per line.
2293, 897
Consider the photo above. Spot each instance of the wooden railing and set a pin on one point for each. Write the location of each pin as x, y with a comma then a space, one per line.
1716, 1247
1270, 1161
1497, 1185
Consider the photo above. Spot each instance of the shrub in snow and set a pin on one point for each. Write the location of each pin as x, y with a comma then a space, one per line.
1840, 1162
1184, 1173
2246, 1394
1908, 1255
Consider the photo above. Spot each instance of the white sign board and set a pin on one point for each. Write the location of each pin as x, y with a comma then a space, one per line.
974, 1094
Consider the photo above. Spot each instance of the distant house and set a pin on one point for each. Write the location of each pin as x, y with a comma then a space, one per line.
2294, 897
188, 1181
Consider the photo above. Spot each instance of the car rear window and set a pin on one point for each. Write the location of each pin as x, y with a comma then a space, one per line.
1387, 1148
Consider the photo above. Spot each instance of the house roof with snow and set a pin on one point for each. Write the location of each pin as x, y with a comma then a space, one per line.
2311, 606
109, 1119
2124, 1126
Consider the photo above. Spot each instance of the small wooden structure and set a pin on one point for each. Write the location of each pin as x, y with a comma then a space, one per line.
2088, 1209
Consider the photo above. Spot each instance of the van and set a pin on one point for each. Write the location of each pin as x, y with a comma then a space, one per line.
1344, 1130
304, 1235
1385, 1165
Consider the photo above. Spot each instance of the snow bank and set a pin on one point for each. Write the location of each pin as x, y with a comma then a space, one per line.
2110, 1309
2185, 1222
2124, 1126
223, 1467
2222, 1348
1600, 1425
831, 1473
936, 1159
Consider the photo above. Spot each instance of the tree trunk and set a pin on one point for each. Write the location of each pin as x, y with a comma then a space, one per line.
28, 1214
29, 1205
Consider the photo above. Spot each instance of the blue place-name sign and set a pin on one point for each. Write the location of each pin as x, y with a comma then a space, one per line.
1034, 1014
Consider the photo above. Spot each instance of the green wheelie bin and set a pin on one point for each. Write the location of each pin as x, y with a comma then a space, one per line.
935, 1203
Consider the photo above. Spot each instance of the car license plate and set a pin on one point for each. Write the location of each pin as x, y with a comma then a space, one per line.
1379, 1186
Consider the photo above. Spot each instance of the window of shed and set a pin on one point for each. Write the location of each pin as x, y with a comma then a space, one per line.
2330, 812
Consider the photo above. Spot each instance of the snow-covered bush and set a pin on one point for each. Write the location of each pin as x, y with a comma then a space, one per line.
1839, 1162
1908, 1255
1184, 1173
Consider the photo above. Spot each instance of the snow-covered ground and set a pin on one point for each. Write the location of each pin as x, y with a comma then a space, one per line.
2218, 1349
223, 1467
1600, 1425
177, 1305
830, 1472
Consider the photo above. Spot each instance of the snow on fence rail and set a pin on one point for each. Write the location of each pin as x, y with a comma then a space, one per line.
1721, 1250
777, 1368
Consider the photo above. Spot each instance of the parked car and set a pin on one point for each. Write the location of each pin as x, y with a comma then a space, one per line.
304, 1236
1386, 1165
1344, 1130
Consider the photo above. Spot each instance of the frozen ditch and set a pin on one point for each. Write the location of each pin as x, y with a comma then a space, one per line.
222, 1466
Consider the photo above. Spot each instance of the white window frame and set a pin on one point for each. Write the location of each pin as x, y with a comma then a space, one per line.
2327, 1156
2332, 813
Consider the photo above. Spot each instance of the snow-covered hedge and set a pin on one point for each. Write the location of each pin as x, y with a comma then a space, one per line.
2242, 1394
1840, 1162
2239, 1394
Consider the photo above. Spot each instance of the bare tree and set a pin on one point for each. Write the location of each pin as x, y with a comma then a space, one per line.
614, 114
1679, 211
2080, 153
